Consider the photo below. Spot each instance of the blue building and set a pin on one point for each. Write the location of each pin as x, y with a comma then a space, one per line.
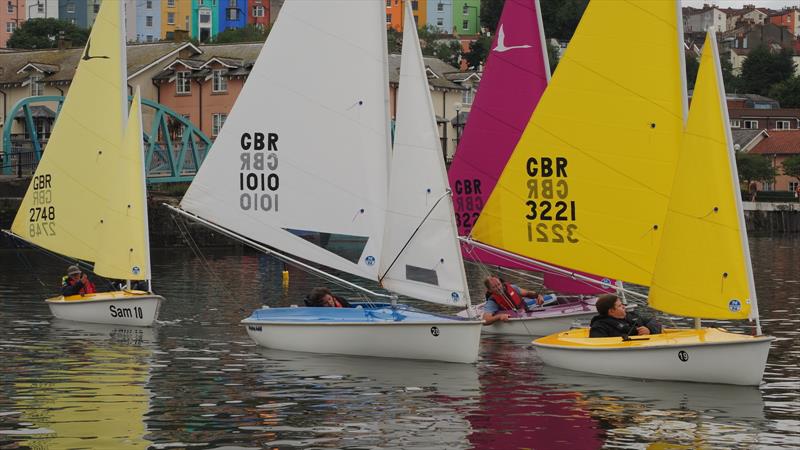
440, 15
232, 14
78, 12
148, 20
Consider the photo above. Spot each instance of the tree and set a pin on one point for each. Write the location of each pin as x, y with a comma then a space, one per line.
249, 33
435, 43
787, 92
762, 69
561, 17
692, 65
394, 40
478, 51
791, 167
490, 14
732, 83
44, 33
754, 167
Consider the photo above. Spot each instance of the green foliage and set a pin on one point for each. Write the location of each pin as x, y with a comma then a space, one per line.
561, 17
787, 92
478, 51
754, 167
692, 65
791, 167
763, 68
394, 40
732, 82
552, 55
490, 14
44, 33
249, 33
433, 43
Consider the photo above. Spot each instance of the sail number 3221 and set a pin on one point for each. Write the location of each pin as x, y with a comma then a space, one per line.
549, 211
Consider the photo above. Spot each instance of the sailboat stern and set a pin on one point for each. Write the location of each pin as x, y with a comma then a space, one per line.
137, 308
705, 355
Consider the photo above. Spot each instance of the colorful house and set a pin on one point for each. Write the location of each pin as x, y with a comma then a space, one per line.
175, 17
394, 13
205, 17
232, 14
788, 18
11, 17
466, 16
147, 21
778, 147
440, 15
258, 13
78, 12
39, 9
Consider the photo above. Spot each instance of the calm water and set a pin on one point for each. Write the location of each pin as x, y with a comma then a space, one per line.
197, 381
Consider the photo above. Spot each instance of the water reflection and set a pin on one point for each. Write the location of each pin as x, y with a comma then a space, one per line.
196, 379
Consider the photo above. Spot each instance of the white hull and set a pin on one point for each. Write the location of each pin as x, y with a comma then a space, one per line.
740, 363
538, 326
450, 341
115, 308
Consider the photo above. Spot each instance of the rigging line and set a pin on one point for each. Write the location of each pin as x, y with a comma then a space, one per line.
446, 193
195, 248
262, 248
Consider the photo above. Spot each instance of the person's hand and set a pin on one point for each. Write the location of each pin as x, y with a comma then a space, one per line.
503, 317
642, 331
540, 300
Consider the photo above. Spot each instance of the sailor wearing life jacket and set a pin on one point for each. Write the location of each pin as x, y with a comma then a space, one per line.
503, 299
76, 283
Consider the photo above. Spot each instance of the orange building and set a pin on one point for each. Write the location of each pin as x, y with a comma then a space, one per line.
778, 147
789, 18
176, 15
394, 13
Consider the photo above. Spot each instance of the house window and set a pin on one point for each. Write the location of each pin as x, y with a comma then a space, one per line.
220, 83
465, 10
40, 7
11, 26
171, 18
793, 186
205, 16
96, 7
148, 21
170, 3
258, 11
217, 120
440, 7
750, 124
388, 3
183, 83
149, 4
70, 8
736, 123
149, 38
388, 18
414, 5
37, 86
440, 21
465, 24
782, 125
233, 14
180, 128
467, 97
10, 7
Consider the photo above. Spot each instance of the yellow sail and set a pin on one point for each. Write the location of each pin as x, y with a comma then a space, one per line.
123, 232
702, 268
588, 184
64, 205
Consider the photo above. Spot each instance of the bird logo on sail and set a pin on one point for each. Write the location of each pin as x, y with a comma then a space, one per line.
455, 297
501, 42
86, 53
734, 305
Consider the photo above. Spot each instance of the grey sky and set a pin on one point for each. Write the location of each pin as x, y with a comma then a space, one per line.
774, 4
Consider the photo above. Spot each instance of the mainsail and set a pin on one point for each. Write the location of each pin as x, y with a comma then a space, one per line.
703, 267
422, 257
588, 184
66, 206
300, 151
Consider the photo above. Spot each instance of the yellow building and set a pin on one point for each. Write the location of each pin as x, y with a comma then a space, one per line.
176, 15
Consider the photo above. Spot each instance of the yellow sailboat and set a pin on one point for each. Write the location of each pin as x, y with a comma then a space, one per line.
637, 196
87, 198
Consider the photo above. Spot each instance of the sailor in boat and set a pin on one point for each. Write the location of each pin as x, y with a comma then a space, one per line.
613, 320
505, 299
323, 297
76, 283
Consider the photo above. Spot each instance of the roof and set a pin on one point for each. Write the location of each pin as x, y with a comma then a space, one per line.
737, 113
60, 65
779, 143
238, 58
743, 137
37, 111
437, 66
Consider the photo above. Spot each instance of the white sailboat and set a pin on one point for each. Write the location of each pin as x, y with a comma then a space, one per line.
647, 198
306, 153
87, 198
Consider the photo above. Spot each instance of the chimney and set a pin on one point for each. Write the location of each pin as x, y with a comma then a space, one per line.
62, 43
180, 36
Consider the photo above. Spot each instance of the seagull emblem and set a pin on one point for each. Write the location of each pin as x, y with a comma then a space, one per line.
86, 53
501, 42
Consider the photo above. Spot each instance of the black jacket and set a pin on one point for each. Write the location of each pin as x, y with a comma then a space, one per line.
607, 326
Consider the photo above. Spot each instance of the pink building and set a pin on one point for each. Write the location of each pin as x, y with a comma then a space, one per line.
778, 147
258, 13
12, 14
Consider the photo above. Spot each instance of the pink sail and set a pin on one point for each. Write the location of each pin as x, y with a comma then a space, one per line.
516, 74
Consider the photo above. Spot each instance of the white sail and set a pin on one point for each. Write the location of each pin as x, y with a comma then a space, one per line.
422, 257
303, 148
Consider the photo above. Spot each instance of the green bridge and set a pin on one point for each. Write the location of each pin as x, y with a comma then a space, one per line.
174, 147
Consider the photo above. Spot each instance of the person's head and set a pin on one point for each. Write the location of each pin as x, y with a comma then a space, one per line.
321, 296
74, 272
493, 284
610, 305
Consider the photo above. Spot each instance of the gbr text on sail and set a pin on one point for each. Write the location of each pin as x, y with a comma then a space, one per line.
258, 177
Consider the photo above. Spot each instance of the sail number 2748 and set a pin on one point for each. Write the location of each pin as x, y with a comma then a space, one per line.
549, 211
42, 213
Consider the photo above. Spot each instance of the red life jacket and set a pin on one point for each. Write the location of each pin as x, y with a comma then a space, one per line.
511, 301
88, 287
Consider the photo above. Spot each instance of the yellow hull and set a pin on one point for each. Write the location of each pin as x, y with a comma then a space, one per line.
708, 355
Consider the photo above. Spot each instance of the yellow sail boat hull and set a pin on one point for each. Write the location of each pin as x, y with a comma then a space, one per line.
706, 355
136, 308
